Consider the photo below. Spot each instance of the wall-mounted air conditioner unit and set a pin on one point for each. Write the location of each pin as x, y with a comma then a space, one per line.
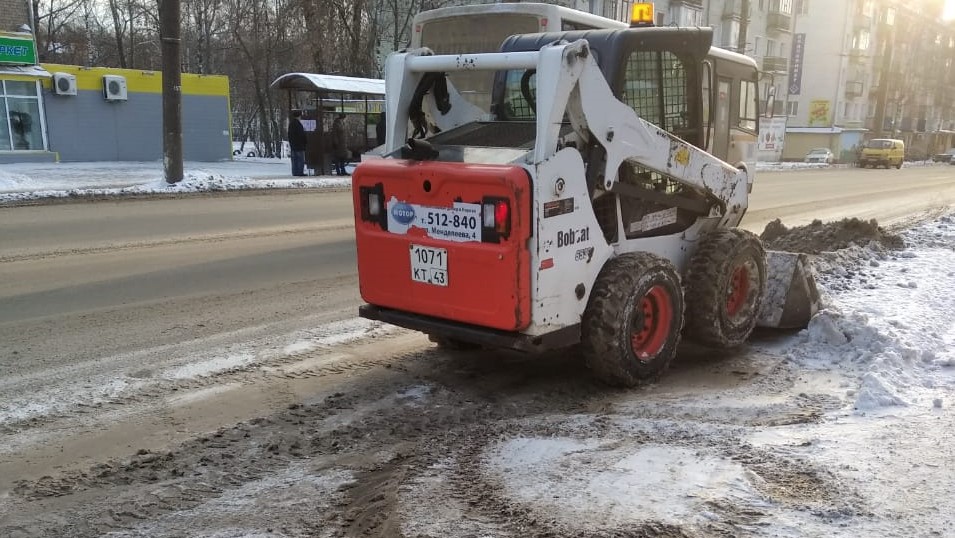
64, 84
114, 87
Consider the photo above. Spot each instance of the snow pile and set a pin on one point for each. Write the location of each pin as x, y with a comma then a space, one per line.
895, 325
819, 237
193, 181
31, 181
10, 181
784, 166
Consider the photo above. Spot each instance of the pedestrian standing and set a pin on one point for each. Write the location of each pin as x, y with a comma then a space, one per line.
380, 129
297, 143
339, 144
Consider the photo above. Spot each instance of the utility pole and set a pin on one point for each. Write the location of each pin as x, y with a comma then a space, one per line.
171, 91
887, 28
743, 27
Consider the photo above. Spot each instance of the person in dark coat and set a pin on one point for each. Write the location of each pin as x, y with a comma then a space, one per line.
297, 143
380, 129
339, 145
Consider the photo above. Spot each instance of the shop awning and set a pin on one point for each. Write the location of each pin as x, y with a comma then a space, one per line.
25, 71
329, 83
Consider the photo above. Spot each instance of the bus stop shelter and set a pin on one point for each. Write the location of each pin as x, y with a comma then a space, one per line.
330, 91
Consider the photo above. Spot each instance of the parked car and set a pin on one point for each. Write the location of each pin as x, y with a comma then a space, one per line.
944, 157
252, 149
248, 148
819, 155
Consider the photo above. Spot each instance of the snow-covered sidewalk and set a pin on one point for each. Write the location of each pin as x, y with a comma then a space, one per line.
30, 181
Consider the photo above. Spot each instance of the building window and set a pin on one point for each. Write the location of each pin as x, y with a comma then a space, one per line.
610, 9
802, 7
860, 40
770, 47
729, 34
781, 6
617, 9
686, 16
21, 122
792, 108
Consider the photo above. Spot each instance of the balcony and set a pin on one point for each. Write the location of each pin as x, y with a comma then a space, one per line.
857, 55
692, 3
732, 9
775, 64
862, 21
779, 21
854, 88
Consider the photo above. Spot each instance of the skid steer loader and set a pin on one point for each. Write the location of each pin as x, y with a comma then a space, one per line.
581, 209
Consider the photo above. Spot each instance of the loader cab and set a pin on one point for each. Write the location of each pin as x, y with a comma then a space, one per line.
672, 77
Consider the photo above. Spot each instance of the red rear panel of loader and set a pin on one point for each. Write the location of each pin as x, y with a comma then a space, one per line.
443, 239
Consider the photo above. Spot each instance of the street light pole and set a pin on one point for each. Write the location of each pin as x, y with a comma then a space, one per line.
171, 90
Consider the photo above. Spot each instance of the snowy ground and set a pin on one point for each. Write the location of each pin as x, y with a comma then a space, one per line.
845, 429
880, 361
30, 181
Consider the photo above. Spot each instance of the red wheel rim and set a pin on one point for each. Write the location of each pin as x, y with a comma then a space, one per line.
651, 323
738, 291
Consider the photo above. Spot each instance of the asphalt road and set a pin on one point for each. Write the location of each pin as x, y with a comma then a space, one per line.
131, 270
61, 258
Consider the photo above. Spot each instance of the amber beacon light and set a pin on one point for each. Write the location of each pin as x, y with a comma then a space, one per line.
641, 14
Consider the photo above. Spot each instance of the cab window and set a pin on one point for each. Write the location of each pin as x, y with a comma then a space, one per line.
655, 86
519, 86
747, 105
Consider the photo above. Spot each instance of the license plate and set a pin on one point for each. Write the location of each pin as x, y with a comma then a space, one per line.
429, 265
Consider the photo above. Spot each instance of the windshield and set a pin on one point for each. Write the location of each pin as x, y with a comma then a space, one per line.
818, 151
879, 144
474, 34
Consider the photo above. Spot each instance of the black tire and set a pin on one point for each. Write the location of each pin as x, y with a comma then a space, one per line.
725, 281
633, 320
899, 166
250, 154
236, 153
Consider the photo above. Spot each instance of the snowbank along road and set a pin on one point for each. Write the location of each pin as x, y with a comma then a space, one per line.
252, 410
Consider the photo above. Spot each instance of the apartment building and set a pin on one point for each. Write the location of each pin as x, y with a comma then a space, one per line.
834, 73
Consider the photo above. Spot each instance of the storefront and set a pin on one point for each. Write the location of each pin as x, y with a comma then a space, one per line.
23, 126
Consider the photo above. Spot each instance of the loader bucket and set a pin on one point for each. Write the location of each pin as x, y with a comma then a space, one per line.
791, 297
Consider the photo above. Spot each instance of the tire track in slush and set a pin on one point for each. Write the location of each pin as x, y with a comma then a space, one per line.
388, 436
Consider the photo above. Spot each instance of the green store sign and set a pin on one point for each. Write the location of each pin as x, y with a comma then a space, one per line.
17, 50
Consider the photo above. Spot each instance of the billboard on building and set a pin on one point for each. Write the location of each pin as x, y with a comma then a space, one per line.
795, 62
819, 112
